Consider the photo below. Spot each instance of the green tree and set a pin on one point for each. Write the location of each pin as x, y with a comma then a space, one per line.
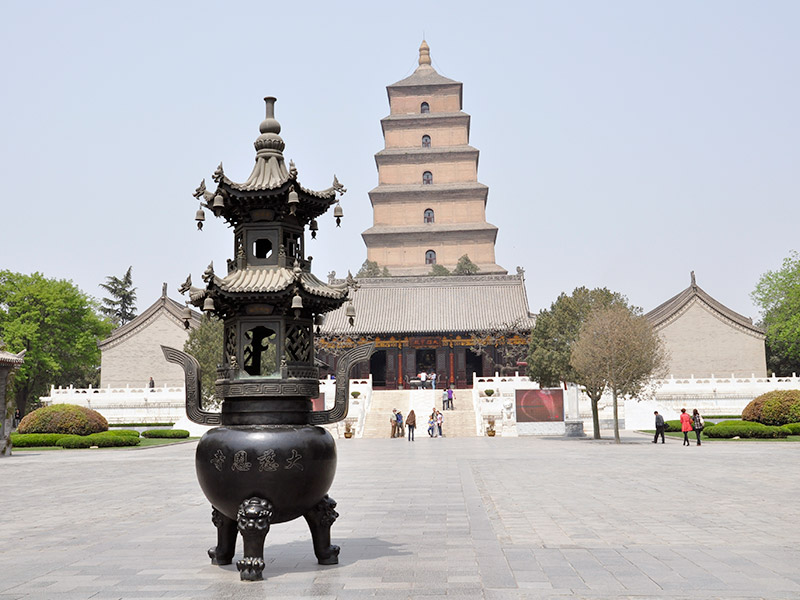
777, 294
465, 266
618, 349
121, 306
205, 344
439, 271
58, 327
554, 334
370, 268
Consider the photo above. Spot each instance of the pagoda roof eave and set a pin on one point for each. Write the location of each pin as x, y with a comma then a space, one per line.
275, 280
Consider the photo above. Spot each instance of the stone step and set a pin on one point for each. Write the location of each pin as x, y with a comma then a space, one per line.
456, 423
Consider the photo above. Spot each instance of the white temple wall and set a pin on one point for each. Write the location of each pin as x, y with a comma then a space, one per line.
701, 344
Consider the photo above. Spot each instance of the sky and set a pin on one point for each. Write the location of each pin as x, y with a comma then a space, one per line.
624, 143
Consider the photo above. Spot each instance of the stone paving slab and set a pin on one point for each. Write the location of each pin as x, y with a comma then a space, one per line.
480, 518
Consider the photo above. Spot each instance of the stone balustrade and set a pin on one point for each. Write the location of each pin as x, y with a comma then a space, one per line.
163, 404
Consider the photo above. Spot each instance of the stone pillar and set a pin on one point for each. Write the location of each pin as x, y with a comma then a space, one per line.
8, 362
573, 423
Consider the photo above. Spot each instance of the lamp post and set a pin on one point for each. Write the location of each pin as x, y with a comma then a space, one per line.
268, 461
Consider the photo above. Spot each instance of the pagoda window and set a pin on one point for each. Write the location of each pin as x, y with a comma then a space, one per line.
428, 216
430, 257
262, 248
291, 244
259, 355
424, 108
427, 178
426, 141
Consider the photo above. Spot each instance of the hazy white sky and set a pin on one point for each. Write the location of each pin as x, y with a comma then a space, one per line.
624, 143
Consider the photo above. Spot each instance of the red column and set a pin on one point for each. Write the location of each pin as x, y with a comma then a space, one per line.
400, 368
452, 368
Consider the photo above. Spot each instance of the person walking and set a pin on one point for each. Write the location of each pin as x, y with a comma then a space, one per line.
433, 380
686, 426
698, 423
444, 399
393, 422
151, 384
411, 424
400, 431
660, 427
450, 396
439, 421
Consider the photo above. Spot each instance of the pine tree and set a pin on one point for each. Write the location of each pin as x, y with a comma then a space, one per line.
121, 306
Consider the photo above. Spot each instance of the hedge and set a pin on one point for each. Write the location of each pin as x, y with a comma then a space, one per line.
793, 427
745, 429
37, 440
166, 433
779, 407
102, 440
74, 441
121, 432
67, 419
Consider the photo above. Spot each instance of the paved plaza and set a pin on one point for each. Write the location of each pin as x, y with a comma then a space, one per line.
493, 518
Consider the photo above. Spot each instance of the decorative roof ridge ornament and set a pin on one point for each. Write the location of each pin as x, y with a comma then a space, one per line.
424, 55
694, 281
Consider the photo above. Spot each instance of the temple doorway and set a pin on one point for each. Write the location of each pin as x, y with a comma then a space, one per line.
474, 365
426, 360
377, 367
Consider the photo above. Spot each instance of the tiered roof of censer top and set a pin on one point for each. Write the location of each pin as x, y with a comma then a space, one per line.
271, 194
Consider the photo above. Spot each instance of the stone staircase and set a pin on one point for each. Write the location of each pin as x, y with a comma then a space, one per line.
457, 423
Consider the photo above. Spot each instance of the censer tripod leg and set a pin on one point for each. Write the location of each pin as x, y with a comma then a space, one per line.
319, 519
222, 553
253, 521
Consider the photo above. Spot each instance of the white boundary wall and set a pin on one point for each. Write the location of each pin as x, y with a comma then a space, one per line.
165, 404
502, 406
710, 396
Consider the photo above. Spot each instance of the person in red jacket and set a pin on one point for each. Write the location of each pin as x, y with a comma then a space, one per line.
686, 426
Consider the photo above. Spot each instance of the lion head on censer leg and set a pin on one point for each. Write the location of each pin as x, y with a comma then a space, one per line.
253, 521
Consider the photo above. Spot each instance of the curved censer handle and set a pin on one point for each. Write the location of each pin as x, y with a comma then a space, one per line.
191, 369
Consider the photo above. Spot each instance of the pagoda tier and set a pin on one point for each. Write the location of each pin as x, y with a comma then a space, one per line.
429, 207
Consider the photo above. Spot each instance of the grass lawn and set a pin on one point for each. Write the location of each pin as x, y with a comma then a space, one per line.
143, 443
692, 438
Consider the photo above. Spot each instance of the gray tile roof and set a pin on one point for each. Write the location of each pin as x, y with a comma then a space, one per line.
424, 75
14, 360
433, 305
661, 313
272, 279
164, 303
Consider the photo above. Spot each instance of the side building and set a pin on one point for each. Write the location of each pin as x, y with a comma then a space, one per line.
132, 354
704, 337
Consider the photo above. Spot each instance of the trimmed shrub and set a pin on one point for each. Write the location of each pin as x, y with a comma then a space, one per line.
745, 429
102, 440
68, 419
74, 441
122, 432
674, 425
166, 433
779, 407
34, 440
793, 427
